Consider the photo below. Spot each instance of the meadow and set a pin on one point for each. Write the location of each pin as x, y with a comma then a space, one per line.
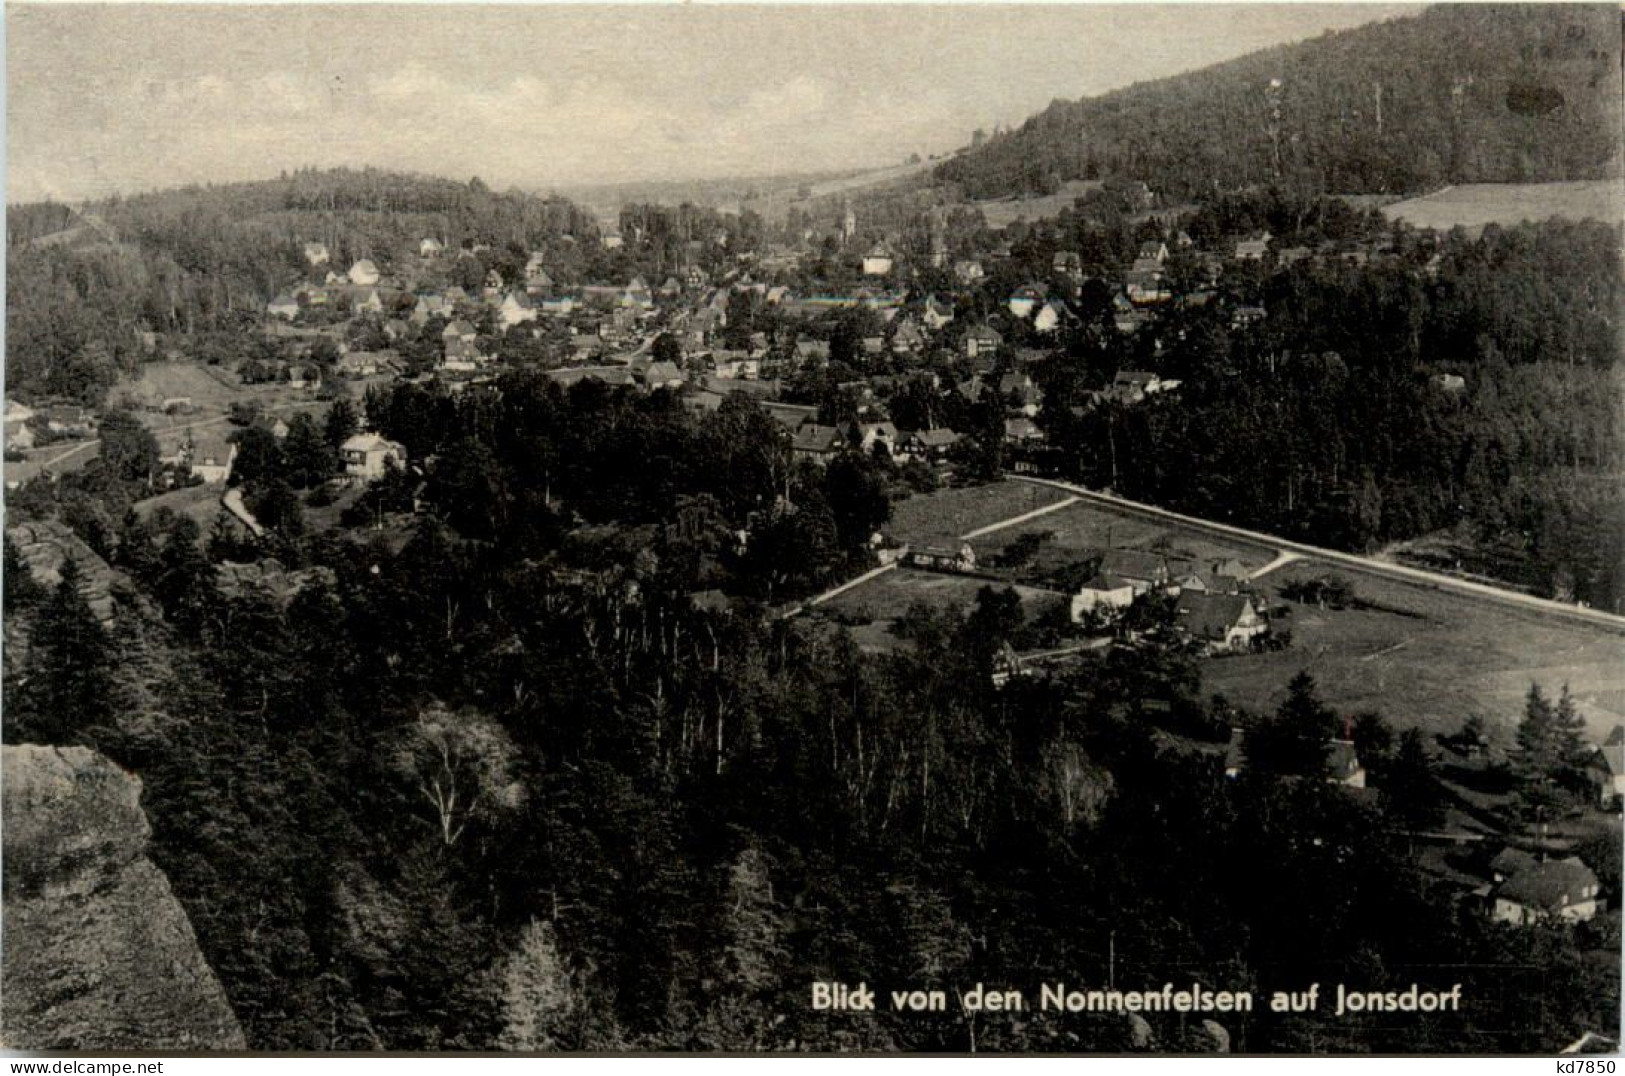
1474, 205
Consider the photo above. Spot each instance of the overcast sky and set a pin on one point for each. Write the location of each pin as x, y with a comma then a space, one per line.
138, 97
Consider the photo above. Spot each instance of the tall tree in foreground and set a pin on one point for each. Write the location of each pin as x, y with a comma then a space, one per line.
69, 685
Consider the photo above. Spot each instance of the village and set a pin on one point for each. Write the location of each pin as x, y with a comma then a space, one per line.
852, 343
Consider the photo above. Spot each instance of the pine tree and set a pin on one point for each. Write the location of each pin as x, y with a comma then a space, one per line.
1567, 729
17, 584
537, 997
69, 684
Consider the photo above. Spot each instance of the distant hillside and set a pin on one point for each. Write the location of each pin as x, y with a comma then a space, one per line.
81, 282
1458, 94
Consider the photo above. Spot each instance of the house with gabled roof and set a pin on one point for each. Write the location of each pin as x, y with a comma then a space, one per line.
817, 443
1546, 891
368, 455
1606, 769
937, 314
928, 443
1220, 622
516, 309
1104, 592
364, 273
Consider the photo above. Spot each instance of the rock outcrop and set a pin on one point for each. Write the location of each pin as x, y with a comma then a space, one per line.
98, 954
44, 545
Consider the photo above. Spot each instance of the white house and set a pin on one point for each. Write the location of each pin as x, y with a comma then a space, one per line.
1107, 593
367, 455
1553, 890
364, 273
210, 457
878, 261
516, 309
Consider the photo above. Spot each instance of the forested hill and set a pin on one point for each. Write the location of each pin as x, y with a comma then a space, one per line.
82, 281
1460, 93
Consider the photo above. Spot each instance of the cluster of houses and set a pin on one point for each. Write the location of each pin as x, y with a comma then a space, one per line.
1213, 603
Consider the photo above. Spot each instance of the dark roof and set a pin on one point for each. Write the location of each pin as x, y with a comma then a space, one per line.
1509, 861
938, 438
812, 437
1550, 885
1133, 563
1133, 377
1209, 615
1342, 760
791, 415
1104, 581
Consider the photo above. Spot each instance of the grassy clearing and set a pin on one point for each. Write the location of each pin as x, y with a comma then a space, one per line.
1006, 211
886, 597
200, 503
1080, 530
1474, 205
935, 518
1429, 659
209, 388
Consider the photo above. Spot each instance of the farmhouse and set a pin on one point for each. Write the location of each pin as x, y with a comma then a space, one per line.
817, 443
367, 456
1106, 593
928, 443
1563, 889
1143, 570
1220, 621
944, 558
210, 457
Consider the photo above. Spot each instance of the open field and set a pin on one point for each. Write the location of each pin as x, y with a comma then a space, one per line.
59, 459
1474, 205
888, 596
200, 503
934, 518
1430, 658
776, 203
210, 388
1006, 211
1081, 529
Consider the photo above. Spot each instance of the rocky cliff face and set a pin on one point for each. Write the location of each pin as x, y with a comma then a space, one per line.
97, 952
44, 546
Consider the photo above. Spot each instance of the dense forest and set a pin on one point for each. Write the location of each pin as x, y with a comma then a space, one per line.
1330, 419
489, 781
1461, 93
